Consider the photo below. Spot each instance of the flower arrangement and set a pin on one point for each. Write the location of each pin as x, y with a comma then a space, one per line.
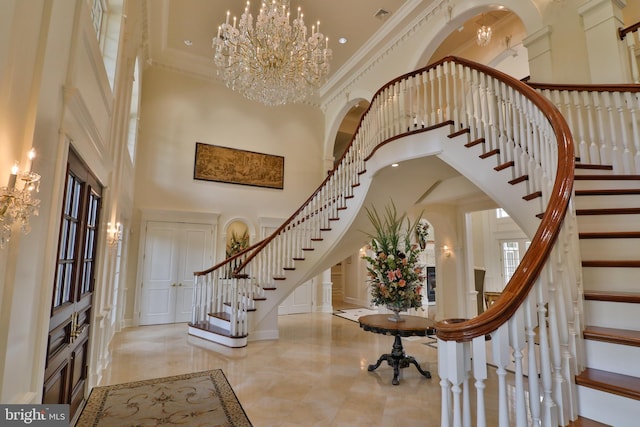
237, 243
395, 279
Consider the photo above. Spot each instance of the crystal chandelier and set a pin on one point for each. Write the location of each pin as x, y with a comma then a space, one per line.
484, 35
273, 62
16, 201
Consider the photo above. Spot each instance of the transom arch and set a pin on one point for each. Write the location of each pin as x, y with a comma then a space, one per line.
528, 12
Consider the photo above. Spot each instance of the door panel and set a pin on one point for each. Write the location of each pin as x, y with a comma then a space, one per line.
74, 280
196, 241
173, 251
158, 285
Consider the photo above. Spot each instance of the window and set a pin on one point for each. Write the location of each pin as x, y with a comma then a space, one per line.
511, 253
97, 13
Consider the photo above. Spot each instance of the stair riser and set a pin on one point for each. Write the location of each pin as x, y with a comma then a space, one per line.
600, 202
612, 314
613, 357
610, 249
606, 184
607, 408
604, 223
220, 323
219, 339
610, 279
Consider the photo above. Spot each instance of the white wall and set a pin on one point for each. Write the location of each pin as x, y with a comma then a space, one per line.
178, 111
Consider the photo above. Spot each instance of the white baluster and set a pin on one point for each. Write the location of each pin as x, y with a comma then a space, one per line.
531, 323
549, 414
633, 104
517, 340
624, 118
480, 374
594, 151
500, 353
615, 151
580, 131
631, 45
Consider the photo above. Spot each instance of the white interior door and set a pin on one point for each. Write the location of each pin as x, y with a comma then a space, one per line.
172, 252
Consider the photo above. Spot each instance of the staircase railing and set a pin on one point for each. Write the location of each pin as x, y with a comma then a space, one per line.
603, 120
538, 317
631, 35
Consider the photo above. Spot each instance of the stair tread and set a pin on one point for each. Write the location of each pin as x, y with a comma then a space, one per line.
586, 422
613, 335
608, 192
611, 263
612, 296
206, 326
587, 177
591, 166
608, 211
622, 385
610, 235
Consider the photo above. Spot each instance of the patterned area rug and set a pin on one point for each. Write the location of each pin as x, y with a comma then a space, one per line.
198, 399
354, 313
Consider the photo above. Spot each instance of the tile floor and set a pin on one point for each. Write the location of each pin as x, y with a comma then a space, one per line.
315, 374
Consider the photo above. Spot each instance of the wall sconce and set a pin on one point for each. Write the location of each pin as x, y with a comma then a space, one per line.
446, 251
16, 201
114, 234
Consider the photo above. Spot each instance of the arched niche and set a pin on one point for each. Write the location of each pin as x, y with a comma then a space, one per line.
237, 237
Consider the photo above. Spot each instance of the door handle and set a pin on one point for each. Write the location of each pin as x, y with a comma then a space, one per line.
179, 284
173, 285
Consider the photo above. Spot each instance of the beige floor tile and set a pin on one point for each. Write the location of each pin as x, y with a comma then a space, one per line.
315, 374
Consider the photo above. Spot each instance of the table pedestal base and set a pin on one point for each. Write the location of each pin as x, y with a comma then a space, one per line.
398, 359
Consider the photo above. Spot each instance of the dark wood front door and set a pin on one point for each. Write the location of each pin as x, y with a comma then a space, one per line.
68, 342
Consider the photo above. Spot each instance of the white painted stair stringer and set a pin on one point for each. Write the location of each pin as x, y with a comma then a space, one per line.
495, 184
413, 152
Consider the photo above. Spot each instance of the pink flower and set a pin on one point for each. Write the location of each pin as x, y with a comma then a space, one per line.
402, 283
391, 275
398, 273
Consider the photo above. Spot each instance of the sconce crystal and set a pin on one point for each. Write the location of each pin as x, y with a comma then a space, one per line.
114, 234
17, 203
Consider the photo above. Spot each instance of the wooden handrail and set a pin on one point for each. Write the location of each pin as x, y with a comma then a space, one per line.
527, 272
630, 87
622, 32
226, 260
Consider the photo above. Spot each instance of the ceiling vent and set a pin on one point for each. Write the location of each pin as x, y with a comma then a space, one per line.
382, 14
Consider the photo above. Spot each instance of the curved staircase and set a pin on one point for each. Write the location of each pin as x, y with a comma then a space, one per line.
513, 142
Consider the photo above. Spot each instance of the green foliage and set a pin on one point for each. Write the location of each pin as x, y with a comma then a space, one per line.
395, 279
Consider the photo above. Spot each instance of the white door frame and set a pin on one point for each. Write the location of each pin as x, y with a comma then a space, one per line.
208, 218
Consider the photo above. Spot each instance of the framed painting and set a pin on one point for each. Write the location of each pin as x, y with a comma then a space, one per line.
224, 164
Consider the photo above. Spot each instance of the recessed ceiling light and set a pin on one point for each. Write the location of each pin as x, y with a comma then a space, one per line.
342, 40
188, 42
394, 165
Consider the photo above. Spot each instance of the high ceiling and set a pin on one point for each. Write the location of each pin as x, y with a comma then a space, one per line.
172, 22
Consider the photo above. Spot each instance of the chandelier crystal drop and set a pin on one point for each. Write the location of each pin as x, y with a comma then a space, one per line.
484, 35
275, 61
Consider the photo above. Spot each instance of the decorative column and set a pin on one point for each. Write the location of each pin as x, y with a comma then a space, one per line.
325, 304
538, 47
608, 59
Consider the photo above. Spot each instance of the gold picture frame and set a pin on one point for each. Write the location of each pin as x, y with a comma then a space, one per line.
233, 166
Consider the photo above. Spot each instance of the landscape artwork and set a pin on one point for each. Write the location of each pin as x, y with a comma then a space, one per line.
224, 164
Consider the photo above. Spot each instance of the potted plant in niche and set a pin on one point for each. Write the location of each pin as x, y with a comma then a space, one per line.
394, 276
422, 232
